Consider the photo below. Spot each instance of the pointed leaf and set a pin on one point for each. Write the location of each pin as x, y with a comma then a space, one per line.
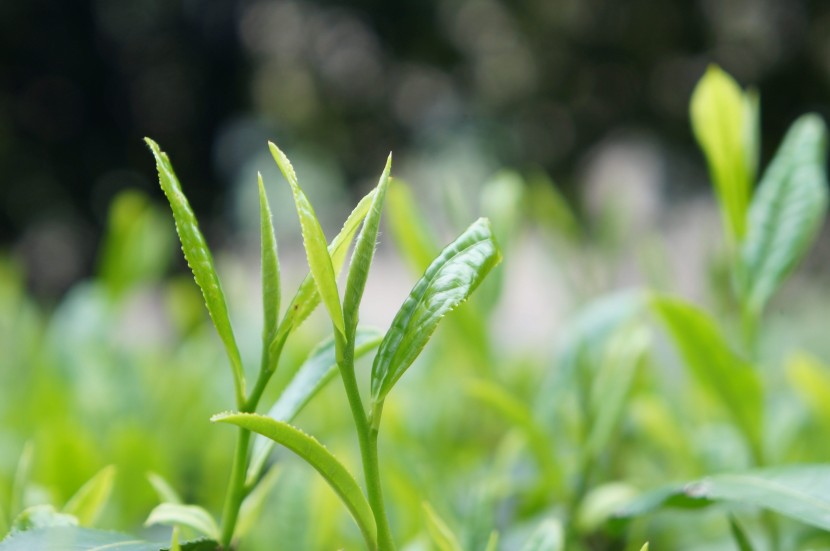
409, 227
787, 210
549, 536
164, 490
253, 504
89, 501
439, 532
270, 267
364, 251
316, 455
192, 516
73, 538
315, 373
200, 260
319, 259
447, 282
718, 114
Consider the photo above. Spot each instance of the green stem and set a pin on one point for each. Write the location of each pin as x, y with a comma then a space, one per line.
367, 439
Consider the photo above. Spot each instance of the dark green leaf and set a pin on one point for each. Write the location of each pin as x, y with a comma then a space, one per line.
448, 282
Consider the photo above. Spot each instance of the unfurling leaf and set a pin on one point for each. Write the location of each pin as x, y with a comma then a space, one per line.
270, 267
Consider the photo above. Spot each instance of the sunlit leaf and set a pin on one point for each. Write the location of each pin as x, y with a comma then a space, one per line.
786, 212
447, 282
549, 536
319, 258
316, 455
439, 532
270, 267
192, 516
200, 260
89, 501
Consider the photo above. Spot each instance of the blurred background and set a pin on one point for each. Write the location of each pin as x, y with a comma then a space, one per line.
456, 88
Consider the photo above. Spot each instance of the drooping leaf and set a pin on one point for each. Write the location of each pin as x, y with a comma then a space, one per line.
90, 499
317, 370
719, 119
447, 282
364, 251
314, 240
200, 260
714, 364
270, 267
192, 516
164, 490
549, 536
441, 534
316, 455
786, 212
73, 538
800, 492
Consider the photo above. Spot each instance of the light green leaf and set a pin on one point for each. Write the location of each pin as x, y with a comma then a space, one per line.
316, 455
200, 260
810, 378
409, 227
439, 532
253, 504
549, 536
364, 251
21, 478
307, 297
447, 282
644, 547
315, 373
270, 267
164, 490
714, 364
192, 516
319, 259
600, 504
41, 516
786, 212
493, 541
174, 540
90, 499
800, 492
73, 538
719, 114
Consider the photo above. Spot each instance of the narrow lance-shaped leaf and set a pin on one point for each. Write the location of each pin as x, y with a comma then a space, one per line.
90, 499
786, 212
739, 535
718, 114
316, 455
319, 259
447, 282
315, 373
409, 227
270, 267
441, 534
364, 251
200, 260
192, 516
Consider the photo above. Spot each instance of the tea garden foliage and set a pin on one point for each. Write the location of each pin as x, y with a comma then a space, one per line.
658, 419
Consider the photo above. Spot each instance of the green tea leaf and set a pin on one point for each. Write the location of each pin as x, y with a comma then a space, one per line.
409, 227
253, 504
447, 282
714, 364
549, 536
800, 492
192, 516
90, 499
364, 251
307, 297
164, 490
270, 267
200, 260
644, 547
319, 259
719, 114
315, 373
73, 538
786, 212
439, 532
21, 478
810, 378
316, 455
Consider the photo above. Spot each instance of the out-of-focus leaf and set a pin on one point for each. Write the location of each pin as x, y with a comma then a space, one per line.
314, 240
200, 260
644, 547
493, 541
786, 212
501, 202
73, 538
164, 490
601, 503
409, 228
448, 282
811, 380
253, 504
739, 535
41, 516
549, 536
192, 516
270, 267
316, 455
439, 532
21, 478
800, 492
317, 370
364, 251
90, 499
719, 119
174, 540
714, 364
549, 207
